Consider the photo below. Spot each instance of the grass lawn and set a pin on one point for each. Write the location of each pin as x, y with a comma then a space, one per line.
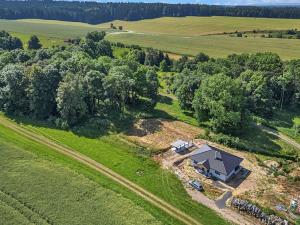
40, 186
131, 163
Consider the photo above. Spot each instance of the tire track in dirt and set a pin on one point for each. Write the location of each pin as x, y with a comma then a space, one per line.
148, 196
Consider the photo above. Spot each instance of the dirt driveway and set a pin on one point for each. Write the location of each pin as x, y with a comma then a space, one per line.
226, 212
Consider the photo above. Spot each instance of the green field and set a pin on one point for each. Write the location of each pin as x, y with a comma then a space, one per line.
48, 28
213, 45
39, 186
196, 26
45, 41
184, 35
131, 162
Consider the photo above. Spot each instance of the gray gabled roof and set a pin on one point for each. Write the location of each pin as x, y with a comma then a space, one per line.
217, 159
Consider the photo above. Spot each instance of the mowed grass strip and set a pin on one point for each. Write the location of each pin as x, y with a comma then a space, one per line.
126, 160
213, 45
41, 191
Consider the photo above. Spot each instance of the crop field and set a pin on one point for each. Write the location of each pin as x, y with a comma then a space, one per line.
35, 190
184, 35
195, 26
48, 28
213, 45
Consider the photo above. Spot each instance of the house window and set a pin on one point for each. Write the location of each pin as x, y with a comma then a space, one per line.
216, 172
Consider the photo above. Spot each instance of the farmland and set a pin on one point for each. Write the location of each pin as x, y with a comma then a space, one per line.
35, 188
187, 35
213, 45
48, 28
131, 162
196, 26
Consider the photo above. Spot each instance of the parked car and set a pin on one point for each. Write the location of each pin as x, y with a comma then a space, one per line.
196, 185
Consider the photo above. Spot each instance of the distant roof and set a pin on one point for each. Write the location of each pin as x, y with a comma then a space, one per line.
216, 159
179, 143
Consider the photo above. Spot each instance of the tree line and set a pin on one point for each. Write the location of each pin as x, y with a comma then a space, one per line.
71, 84
93, 12
225, 93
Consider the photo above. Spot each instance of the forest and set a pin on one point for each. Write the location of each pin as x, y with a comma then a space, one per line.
93, 13
70, 84
227, 91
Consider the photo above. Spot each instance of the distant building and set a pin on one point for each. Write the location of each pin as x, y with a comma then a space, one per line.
214, 162
180, 145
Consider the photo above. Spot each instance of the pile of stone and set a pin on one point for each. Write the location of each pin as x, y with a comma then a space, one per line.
253, 210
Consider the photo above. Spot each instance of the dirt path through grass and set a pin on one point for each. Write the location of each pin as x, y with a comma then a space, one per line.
176, 213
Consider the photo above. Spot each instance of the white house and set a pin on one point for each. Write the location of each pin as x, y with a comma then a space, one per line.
216, 163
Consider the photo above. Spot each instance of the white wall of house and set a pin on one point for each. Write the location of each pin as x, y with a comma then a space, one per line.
223, 177
218, 175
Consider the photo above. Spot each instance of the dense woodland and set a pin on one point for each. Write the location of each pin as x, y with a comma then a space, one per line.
71, 84
225, 93
92, 12
75, 83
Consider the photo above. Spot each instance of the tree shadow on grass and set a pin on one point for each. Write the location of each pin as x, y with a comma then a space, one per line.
284, 118
165, 99
97, 127
86, 129
259, 140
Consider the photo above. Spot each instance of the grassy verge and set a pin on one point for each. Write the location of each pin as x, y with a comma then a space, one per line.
39, 184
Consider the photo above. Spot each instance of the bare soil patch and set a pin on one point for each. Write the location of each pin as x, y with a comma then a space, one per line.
159, 133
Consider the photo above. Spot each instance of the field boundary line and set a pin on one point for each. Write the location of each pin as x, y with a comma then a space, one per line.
156, 201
